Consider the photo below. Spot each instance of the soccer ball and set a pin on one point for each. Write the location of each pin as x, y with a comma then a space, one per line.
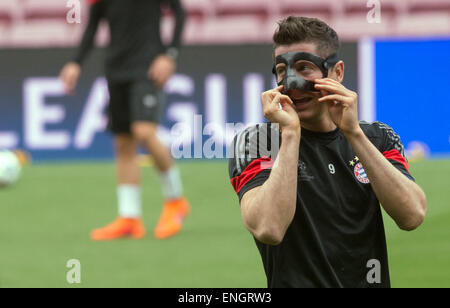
10, 168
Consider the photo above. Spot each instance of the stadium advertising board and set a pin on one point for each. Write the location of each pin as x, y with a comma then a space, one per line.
215, 92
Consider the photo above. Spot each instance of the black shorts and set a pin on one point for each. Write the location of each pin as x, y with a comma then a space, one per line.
133, 101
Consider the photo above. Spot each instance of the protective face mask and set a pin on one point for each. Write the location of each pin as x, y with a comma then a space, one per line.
301, 68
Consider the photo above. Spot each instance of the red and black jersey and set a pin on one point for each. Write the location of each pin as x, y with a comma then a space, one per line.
337, 230
135, 38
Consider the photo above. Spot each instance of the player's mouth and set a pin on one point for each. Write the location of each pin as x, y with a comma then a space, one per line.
301, 100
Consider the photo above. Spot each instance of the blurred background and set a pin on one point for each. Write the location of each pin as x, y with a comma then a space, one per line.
396, 58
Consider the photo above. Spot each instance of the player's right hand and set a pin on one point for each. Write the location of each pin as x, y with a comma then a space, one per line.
69, 76
279, 108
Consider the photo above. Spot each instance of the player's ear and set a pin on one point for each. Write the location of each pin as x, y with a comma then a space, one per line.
338, 71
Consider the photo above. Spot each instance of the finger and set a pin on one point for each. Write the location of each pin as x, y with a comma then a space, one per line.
283, 102
276, 100
329, 82
286, 99
278, 89
327, 86
332, 82
326, 80
334, 97
324, 93
331, 88
286, 105
277, 96
266, 98
270, 97
281, 98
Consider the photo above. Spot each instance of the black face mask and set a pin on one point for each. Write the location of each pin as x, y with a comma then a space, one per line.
301, 68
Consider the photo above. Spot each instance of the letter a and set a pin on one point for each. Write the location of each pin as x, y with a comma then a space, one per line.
374, 275
374, 15
74, 275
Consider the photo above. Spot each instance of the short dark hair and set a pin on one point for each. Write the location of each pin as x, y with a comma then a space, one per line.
293, 30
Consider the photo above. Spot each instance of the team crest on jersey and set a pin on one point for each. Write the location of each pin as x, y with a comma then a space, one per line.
361, 174
359, 171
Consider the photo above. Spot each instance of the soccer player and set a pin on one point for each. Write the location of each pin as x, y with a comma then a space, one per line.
137, 67
313, 207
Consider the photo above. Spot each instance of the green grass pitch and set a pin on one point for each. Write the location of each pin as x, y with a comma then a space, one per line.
46, 218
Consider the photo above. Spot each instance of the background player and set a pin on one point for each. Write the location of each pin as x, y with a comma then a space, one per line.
137, 67
315, 212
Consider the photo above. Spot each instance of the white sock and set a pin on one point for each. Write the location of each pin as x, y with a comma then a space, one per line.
129, 199
171, 183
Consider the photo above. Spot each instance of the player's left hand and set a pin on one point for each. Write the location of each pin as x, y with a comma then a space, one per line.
342, 104
161, 69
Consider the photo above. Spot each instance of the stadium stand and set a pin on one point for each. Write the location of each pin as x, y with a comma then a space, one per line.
355, 26
249, 8
423, 24
39, 33
324, 8
44, 9
43, 22
389, 8
230, 29
198, 9
9, 12
422, 6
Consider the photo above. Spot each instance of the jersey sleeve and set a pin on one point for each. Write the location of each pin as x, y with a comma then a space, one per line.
180, 18
392, 148
252, 154
87, 42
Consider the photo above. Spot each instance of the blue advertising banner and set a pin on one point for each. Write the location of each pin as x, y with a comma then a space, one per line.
214, 93
412, 92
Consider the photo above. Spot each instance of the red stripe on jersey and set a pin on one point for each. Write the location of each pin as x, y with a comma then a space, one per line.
93, 1
250, 172
395, 155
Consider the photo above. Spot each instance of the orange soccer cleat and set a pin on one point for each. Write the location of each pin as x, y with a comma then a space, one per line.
120, 228
172, 216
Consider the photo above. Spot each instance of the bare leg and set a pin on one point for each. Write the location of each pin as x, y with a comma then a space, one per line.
129, 223
176, 207
126, 163
145, 134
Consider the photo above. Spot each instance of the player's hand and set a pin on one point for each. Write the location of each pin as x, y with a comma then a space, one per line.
161, 69
69, 76
342, 104
279, 108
